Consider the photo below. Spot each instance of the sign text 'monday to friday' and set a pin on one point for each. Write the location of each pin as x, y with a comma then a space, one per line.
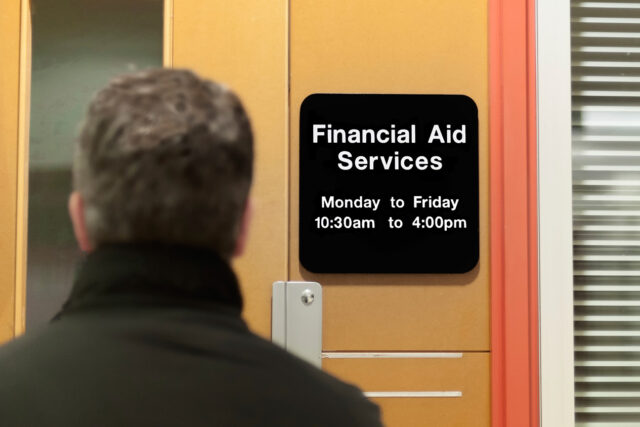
429, 202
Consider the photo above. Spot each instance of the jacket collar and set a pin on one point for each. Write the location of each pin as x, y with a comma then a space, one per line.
154, 274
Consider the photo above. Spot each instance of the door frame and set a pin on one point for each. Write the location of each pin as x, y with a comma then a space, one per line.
555, 213
514, 240
15, 82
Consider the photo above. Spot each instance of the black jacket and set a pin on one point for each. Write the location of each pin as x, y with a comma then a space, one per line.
152, 336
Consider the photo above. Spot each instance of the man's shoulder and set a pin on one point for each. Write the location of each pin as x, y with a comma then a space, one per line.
294, 376
311, 384
23, 355
21, 347
295, 369
100, 353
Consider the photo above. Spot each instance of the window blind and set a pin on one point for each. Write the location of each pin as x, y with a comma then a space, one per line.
605, 56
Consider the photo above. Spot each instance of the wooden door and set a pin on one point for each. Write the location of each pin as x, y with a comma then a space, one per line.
418, 336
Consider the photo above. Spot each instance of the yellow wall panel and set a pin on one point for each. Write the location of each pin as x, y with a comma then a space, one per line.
468, 375
244, 44
404, 46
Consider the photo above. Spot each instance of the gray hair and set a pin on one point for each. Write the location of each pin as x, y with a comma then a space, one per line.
165, 156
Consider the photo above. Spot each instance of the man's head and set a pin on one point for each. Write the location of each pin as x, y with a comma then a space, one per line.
163, 156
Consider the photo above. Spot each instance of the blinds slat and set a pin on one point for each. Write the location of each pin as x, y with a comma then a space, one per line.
606, 318
608, 379
607, 333
583, 242
615, 258
607, 409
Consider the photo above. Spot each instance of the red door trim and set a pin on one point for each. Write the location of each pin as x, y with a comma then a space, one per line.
514, 281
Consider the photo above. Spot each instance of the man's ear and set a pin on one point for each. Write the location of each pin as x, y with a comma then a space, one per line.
76, 212
243, 234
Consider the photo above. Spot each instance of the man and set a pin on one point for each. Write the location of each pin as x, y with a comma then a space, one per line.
151, 334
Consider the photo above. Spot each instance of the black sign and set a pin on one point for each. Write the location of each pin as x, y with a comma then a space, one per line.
389, 183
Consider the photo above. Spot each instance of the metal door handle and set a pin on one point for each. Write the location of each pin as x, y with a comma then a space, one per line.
296, 319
